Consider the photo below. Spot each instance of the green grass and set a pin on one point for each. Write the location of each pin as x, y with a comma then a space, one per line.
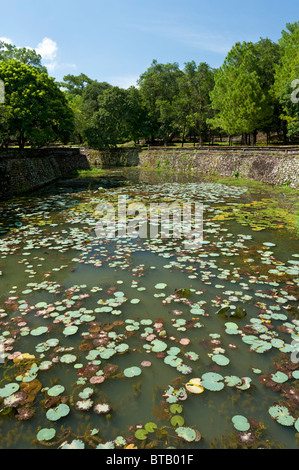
89, 173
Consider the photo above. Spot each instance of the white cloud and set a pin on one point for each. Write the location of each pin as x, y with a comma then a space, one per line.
6, 40
48, 49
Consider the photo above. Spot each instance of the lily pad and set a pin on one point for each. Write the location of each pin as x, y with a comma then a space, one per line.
132, 371
56, 390
46, 434
186, 433
282, 415
241, 423
60, 411
141, 434
9, 389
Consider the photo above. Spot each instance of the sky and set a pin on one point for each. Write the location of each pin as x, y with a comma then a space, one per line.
116, 40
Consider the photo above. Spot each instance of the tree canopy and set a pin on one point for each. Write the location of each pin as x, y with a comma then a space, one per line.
36, 111
256, 89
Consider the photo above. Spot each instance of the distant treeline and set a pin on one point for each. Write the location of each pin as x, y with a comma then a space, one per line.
255, 90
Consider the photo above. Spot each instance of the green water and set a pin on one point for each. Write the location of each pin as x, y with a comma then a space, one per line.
66, 299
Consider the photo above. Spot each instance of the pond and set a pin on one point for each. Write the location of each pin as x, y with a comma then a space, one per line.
142, 342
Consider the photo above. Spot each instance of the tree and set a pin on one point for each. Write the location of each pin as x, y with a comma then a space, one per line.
107, 126
22, 54
286, 84
194, 102
37, 111
90, 96
159, 88
75, 84
137, 123
241, 96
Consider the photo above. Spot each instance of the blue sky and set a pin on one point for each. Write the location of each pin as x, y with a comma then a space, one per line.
117, 40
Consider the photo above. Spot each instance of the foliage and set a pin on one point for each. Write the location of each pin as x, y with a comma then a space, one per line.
22, 54
255, 90
241, 94
286, 74
35, 110
159, 88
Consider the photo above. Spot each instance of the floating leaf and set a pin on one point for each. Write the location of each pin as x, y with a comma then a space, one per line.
282, 415
132, 371
220, 359
53, 414
177, 420
75, 444
150, 427
141, 434
241, 423
194, 386
175, 408
46, 434
186, 433
56, 390
9, 389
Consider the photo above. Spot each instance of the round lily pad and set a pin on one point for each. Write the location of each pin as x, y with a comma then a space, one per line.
282, 415
56, 390
220, 359
46, 434
241, 423
175, 408
186, 433
132, 371
9, 389
54, 414
160, 286
141, 434
158, 345
150, 427
70, 330
279, 377
177, 420
212, 381
39, 331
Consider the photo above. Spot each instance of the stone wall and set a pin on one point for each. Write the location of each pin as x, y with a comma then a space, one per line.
269, 166
120, 157
25, 170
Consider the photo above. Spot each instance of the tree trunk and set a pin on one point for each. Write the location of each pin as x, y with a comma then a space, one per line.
254, 138
21, 141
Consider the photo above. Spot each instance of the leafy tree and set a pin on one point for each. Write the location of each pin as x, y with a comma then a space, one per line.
159, 88
22, 54
286, 85
194, 102
75, 84
107, 126
241, 96
90, 96
37, 111
137, 123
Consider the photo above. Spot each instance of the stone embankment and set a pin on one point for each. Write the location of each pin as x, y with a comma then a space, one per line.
23, 171
271, 165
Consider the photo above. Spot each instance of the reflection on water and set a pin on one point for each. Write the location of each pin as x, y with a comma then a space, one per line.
125, 325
